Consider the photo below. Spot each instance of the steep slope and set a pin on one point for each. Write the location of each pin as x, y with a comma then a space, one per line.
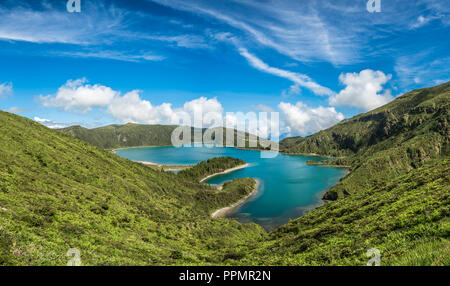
406, 219
386, 142
58, 193
135, 135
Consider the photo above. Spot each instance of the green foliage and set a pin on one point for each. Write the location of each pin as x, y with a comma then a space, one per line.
128, 135
136, 135
210, 167
58, 193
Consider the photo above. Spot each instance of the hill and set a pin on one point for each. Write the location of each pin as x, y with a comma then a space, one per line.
136, 135
128, 135
58, 193
384, 143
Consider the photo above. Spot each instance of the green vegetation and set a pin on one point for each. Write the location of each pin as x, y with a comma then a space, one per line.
210, 167
128, 135
57, 193
137, 135
385, 143
407, 219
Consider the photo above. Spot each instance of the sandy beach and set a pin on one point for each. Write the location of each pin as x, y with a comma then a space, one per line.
225, 172
149, 163
226, 210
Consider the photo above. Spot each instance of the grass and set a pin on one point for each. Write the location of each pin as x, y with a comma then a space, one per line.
57, 192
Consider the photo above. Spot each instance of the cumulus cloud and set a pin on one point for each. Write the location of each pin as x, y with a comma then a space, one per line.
131, 108
78, 96
5, 89
363, 90
304, 120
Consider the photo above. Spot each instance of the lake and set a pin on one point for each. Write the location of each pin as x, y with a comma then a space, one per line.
289, 188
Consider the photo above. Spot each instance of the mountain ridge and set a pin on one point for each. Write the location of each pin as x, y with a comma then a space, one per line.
141, 135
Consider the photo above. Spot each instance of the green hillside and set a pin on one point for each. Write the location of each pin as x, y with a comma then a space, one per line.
386, 142
136, 135
58, 193
407, 219
128, 135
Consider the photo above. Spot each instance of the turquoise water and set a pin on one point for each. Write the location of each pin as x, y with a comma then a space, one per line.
289, 188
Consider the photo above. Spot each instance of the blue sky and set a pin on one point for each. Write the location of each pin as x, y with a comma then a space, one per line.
315, 62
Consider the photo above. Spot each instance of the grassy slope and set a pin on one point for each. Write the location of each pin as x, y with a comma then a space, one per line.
128, 135
386, 142
135, 135
57, 192
407, 219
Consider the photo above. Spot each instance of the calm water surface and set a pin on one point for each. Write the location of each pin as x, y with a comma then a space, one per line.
289, 188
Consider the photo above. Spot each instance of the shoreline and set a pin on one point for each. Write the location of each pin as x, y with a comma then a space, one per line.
137, 147
328, 165
311, 155
149, 163
225, 172
165, 167
223, 212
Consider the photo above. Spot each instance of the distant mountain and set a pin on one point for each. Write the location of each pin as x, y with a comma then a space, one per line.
384, 143
136, 135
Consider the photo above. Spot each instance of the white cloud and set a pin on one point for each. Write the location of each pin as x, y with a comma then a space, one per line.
293, 28
80, 97
304, 120
50, 25
77, 96
181, 41
131, 108
5, 89
49, 123
297, 78
421, 69
363, 90
424, 20
113, 55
